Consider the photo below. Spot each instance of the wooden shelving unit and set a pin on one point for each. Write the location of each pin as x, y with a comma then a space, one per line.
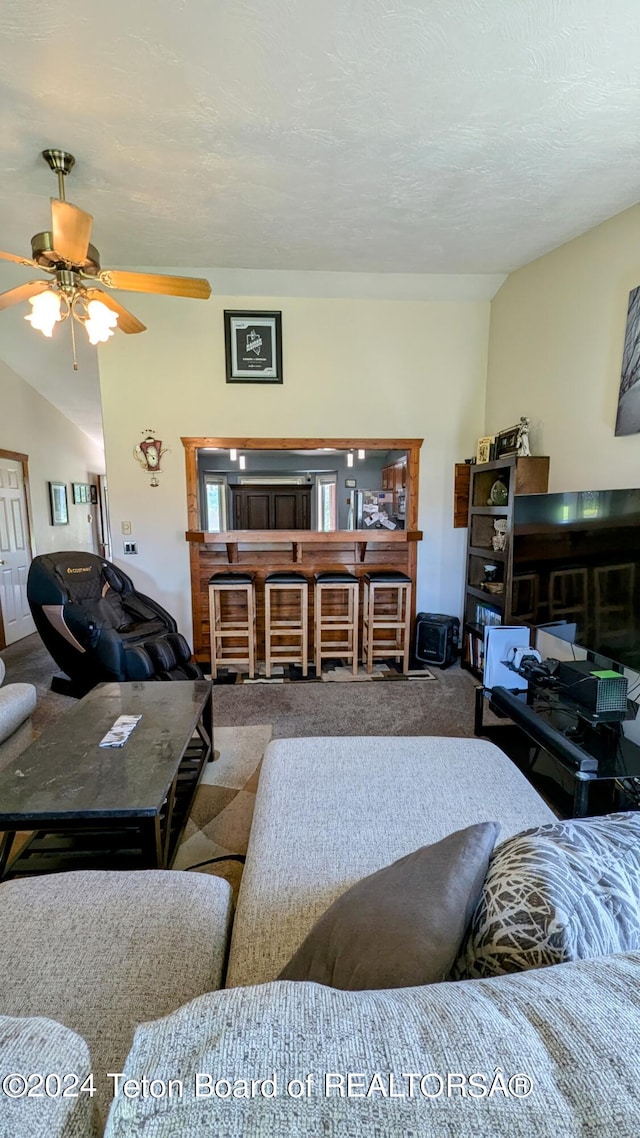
482, 606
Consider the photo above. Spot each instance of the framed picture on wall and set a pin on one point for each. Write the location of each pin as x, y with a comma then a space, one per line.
253, 347
77, 492
58, 504
93, 494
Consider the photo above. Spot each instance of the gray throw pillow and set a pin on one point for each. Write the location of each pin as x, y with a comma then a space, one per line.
403, 925
565, 891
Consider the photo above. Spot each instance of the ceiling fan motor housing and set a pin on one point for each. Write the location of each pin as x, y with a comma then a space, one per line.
44, 254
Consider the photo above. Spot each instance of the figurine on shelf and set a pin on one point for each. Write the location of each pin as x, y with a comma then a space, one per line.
499, 539
523, 450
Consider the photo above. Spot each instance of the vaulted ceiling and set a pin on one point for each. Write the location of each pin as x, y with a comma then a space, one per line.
361, 136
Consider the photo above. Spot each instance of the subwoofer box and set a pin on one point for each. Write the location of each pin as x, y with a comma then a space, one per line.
437, 638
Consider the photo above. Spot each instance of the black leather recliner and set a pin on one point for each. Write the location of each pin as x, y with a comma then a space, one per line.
99, 628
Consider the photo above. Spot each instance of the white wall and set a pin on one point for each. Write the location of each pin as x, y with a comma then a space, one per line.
555, 355
58, 452
352, 368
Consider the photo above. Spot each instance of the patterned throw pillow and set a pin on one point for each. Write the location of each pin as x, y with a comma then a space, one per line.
564, 891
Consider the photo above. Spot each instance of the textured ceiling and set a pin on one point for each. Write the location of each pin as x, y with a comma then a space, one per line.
340, 135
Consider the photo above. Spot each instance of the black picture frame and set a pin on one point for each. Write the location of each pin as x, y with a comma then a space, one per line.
93, 494
506, 442
253, 346
351, 483
77, 492
58, 504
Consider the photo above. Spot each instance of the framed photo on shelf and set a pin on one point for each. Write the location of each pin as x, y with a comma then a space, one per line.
58, 504
253, 346
484, 449
507, 442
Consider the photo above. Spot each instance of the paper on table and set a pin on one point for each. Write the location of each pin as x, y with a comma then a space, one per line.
121, 730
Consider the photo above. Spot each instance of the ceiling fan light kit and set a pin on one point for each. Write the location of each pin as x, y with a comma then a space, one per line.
66, 253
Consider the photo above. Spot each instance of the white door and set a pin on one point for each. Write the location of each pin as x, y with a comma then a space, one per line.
15, 554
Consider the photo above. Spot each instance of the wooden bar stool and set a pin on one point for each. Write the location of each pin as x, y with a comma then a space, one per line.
387, 607
293, 628
342, 620
236, 623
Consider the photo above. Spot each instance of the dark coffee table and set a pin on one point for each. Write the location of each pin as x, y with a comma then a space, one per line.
92, 807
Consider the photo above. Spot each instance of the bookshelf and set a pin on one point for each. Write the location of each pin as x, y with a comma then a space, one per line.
489, 601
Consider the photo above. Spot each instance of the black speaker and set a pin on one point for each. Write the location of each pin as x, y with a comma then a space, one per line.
437, 638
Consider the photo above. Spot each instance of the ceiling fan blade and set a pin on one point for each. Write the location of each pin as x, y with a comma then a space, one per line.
18, 260
22, 292
127, 322
195, 287
71, 228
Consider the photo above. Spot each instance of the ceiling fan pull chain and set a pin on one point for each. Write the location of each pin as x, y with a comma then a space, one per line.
73, 341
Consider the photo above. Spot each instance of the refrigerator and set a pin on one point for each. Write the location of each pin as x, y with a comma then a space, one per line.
374, 510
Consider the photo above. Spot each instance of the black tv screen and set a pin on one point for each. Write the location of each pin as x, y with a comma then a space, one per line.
576, 558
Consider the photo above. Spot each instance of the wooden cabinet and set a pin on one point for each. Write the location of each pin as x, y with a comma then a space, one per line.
488, 599
461, 484
271, 507
394, 477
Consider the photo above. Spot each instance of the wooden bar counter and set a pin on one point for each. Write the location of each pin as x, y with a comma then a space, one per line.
305, 551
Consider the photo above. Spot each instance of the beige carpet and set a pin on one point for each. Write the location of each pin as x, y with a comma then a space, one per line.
220, 820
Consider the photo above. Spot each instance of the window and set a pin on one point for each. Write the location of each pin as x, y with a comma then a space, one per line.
326, 498
215, 502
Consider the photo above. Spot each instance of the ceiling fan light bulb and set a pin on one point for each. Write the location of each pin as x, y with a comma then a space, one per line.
101, 322
45, 312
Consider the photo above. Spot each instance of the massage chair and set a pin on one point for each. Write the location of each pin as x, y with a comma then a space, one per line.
99, 628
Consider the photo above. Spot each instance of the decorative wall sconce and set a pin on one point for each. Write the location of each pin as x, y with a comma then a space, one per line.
148, 453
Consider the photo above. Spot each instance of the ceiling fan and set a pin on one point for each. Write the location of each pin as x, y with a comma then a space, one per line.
73, 263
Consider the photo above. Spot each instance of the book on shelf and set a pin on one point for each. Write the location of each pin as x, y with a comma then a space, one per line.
486, 615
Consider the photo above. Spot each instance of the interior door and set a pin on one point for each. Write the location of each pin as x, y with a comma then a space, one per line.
15, 552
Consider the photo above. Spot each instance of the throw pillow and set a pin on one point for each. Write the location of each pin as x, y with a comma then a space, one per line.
564, 891
402, 925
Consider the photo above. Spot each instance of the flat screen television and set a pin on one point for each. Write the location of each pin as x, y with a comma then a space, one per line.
576, 559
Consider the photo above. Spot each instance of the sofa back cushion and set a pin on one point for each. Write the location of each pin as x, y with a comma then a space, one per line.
29, 1047
566, 891
551, 1052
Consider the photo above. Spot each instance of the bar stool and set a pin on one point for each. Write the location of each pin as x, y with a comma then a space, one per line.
392, 614
343, 619
237, 623
294, 628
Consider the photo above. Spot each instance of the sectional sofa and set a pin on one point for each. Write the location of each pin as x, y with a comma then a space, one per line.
547, 1051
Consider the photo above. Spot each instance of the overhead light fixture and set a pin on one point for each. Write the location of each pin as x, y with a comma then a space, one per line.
350, 458
360, 454
242, 462
233, 454
64, 251
59, 301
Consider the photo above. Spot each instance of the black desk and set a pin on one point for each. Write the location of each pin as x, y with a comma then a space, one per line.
589, 753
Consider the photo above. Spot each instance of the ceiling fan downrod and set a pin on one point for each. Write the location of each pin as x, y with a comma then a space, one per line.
61, 162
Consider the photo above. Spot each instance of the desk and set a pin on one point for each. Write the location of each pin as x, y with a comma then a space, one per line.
588, 753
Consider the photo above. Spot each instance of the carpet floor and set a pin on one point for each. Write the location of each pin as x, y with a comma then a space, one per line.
247, 716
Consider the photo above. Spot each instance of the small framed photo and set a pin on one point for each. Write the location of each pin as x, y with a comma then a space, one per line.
253, 346
507, 442
483, 449
93, 494
84, 492
58, 504
350, 483
77, 492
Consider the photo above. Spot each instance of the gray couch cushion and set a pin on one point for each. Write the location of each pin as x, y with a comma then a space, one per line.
573, 1030
101, 952
561, 892
329, 811
402, 925
32, 1046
